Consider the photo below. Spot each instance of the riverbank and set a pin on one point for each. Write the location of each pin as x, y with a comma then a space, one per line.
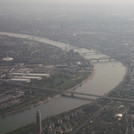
88, 77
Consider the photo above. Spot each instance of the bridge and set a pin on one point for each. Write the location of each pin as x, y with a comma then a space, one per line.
109, 59
89, 53
74, 95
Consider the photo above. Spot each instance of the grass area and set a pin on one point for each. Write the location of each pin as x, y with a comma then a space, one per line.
62, 81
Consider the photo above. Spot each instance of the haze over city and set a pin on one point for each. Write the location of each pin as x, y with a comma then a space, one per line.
66, 66
75, 1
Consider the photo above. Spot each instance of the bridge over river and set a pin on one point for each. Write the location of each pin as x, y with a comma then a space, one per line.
109, 59
89, 53
75, 95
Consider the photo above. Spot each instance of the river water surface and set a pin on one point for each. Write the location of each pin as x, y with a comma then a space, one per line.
107, 76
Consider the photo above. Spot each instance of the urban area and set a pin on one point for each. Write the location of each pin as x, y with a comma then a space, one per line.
44, 71
33, 72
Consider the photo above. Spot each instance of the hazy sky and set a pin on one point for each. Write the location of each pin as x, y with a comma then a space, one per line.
94, 1
77, 1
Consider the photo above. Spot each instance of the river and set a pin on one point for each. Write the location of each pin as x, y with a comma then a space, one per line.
107, 76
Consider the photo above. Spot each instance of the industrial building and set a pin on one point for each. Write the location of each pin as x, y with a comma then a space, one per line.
27, 77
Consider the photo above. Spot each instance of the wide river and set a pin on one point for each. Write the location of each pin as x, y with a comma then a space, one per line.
107, 76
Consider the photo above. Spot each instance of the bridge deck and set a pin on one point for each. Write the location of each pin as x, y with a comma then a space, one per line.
72, 94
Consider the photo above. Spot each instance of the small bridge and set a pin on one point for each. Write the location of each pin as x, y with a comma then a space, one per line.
74, 95
109, 59
89, 53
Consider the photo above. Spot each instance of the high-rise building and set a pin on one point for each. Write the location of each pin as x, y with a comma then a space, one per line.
38, 122
51, 130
